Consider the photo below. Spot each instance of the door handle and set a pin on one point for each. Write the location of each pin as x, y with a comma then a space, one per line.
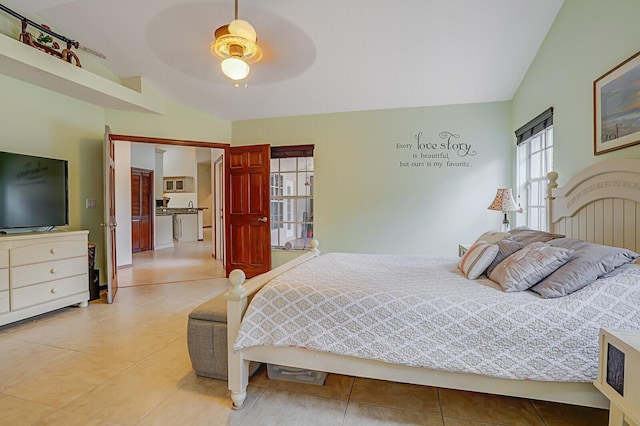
262, 219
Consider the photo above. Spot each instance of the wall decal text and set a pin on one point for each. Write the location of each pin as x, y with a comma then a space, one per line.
448, 151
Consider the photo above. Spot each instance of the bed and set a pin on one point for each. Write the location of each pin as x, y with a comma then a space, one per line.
599, 205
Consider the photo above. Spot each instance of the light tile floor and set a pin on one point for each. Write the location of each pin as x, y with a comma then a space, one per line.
127, 364
183, 262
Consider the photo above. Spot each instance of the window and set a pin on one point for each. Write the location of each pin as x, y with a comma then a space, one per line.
277, 203
534, 160
291, 192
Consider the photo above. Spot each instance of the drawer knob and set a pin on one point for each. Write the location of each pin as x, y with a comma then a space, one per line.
53, 251
53, 270
54, 290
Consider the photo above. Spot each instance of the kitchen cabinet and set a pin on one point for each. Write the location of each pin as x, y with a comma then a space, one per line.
178, 184
164, 232
185, 227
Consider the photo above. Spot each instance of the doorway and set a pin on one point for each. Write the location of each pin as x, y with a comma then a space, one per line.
184, 261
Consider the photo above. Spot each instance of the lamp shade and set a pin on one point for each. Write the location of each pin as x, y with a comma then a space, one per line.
504, 201
235, 68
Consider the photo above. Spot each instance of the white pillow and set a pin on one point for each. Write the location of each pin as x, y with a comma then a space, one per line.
476, 260
528, 266
493, 237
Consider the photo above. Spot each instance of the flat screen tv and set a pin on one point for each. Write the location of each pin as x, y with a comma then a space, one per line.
34, 191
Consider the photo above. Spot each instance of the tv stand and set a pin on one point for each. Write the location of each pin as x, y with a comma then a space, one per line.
34, 231
41, 272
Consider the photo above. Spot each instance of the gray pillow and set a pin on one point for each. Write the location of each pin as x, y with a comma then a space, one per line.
589, 262
526, 235
529, 265
506, 248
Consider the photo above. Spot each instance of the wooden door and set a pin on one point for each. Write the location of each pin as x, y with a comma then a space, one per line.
218, 211
110, 223
141, 210
248, 219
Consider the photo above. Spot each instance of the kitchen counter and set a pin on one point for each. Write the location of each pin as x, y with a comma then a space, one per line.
170, 211
186, 223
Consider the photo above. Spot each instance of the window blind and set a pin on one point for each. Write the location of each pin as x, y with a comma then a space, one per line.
534, 126
292, 151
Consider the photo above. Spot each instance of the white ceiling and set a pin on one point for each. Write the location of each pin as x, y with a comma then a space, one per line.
319, 56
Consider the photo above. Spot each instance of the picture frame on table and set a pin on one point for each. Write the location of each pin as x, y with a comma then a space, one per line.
616, 107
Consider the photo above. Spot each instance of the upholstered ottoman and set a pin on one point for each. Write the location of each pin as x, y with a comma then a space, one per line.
207, 338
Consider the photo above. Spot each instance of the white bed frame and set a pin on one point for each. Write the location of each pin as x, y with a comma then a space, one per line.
600, 204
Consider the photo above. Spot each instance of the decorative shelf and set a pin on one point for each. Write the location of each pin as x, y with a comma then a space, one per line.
23, 62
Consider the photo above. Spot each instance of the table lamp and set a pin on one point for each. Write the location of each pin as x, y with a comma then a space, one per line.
505, 203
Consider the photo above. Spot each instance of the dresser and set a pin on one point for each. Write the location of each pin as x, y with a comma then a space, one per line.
42, 272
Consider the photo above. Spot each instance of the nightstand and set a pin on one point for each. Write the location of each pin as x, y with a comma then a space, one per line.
619, 375
462, 249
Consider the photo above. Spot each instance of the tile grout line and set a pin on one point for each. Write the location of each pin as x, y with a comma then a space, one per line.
440, 405
344, 417
535, 408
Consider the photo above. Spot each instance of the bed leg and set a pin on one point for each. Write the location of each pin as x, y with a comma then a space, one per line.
238, 368
238, 380
238, 399
616, 415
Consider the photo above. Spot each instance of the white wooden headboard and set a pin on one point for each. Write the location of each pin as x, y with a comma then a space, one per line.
600, 204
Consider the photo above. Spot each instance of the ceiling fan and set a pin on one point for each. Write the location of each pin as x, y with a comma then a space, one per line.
236, 44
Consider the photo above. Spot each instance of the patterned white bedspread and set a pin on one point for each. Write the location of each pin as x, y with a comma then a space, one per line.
421, 311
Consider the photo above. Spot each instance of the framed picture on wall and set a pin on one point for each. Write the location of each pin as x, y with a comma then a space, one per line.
616, 107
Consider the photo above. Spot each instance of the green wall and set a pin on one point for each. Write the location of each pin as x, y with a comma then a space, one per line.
365, 201
179, 122
40, 122
587, 39
44, 123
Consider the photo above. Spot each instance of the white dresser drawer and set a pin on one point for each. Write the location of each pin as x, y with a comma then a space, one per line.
4, 279
4, 258
22, 276
4, 302
45, 292
44, 252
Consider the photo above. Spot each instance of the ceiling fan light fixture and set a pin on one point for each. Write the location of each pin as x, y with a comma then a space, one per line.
235, 68
236, 44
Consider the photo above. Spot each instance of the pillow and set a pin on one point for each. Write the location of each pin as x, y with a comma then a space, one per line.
477, 258
492, 237
589, 262
526, 235
529, 265
506, 248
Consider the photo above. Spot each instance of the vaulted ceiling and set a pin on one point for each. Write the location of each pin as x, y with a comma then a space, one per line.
319, 56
